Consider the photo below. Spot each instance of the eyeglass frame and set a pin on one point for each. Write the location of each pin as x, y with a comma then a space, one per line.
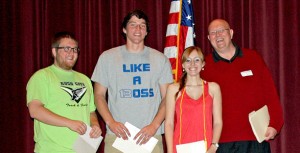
67, 49
215, 32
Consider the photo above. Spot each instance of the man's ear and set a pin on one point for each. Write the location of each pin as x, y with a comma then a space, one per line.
208, 37
53, 52
124, 30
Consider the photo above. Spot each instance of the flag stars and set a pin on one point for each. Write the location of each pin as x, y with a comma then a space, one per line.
189, 17
189, 1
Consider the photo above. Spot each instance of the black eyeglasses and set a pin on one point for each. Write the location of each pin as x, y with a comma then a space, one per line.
68, 49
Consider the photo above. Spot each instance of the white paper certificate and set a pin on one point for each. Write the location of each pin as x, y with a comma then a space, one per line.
86, 144
130, 146
193, 147
259, 121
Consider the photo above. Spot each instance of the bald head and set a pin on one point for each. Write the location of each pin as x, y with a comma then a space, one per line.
220, 35
218, 23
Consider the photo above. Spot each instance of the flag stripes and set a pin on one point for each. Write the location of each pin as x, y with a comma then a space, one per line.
180, 33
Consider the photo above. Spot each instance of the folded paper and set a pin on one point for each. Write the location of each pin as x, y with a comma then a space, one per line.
86, 144
130, 146
193, 147
259, 121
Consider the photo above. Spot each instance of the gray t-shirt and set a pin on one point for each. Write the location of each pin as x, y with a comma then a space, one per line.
133, 81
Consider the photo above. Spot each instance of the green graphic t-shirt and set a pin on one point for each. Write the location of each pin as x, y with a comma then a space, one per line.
66, 93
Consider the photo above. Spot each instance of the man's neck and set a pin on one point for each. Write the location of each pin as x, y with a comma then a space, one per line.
65, 69
135, 48
227, 53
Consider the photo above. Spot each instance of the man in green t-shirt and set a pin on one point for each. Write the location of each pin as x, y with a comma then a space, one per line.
61, 100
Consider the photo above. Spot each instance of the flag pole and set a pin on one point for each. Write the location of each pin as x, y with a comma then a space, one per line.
178, 43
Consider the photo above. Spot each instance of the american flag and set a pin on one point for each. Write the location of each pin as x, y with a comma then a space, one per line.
180, 33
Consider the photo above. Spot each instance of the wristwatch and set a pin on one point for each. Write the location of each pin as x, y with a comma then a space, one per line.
216, 145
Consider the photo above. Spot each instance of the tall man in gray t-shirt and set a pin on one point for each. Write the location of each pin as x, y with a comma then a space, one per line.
136, 78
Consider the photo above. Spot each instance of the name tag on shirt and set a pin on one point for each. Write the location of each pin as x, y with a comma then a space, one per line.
246, 73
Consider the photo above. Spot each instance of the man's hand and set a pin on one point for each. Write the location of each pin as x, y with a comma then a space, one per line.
95, 132
271, 133
145, 134
119, 130
77, 126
